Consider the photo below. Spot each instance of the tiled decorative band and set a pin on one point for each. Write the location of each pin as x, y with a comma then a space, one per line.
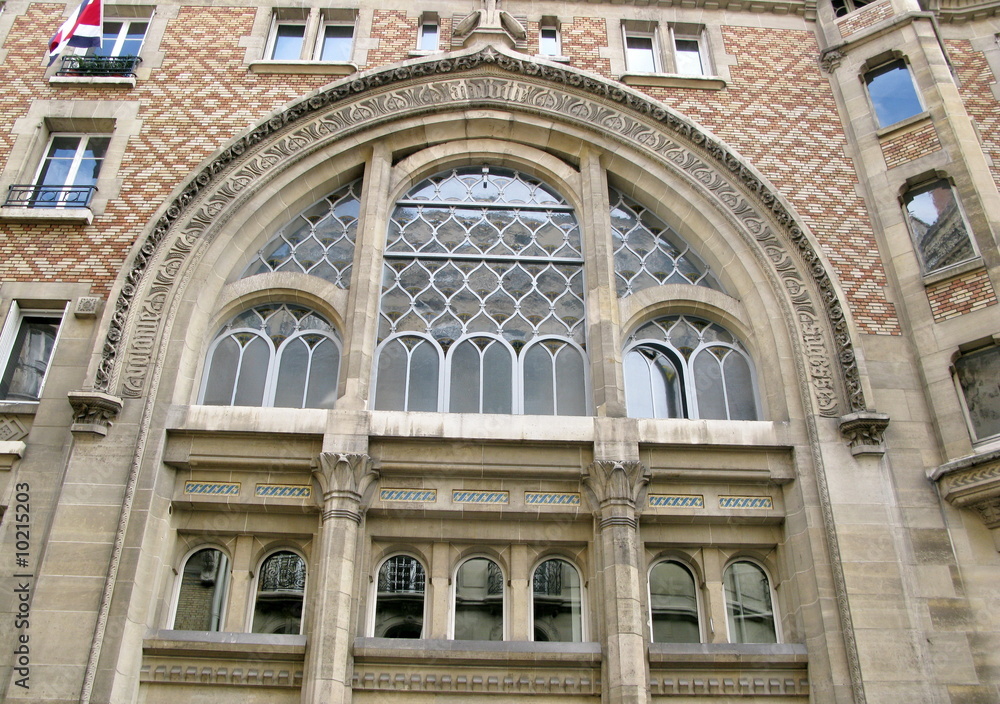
676, 501
410, 495
552, 498
480, 497
284, 491
745, 502
212, 488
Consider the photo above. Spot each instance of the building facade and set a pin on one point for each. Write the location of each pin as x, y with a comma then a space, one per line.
550, 351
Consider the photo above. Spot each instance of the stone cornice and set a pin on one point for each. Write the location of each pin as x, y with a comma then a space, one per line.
972, 482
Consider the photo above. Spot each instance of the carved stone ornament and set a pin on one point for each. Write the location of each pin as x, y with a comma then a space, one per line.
488, 78
619, 482
865, 431
93, 411
347, 481
829, 60
11, 429
972, 482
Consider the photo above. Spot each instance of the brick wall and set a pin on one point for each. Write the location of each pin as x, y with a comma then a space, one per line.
911, 145
975, 86
961, 295
582, 41
864, 18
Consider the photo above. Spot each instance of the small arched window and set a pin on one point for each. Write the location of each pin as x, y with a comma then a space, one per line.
685, 367
557, 602
201, 598
479, 600
399, 601
748, 604
281, 585
482, 306
274, 355
673, 604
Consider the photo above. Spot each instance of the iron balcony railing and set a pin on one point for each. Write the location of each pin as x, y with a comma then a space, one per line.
118, 66
28, 195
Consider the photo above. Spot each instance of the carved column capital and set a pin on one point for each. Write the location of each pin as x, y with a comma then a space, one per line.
346, 481
615, 488
865, 431
93, 411
830, 60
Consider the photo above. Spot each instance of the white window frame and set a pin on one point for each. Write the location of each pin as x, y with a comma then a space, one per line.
272, 37
252, 607
8, 336
703, 54
426, 20
697, 594
775, 616
126, 22
655, 53
554, 28
321, 40
179, 578
454, 595
69, 182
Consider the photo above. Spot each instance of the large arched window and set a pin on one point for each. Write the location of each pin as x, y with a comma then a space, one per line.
673, 604
274, 355
557, 602
399, 598
479, 600
482, 299
685, 367
203, 590
748, 604
281, 585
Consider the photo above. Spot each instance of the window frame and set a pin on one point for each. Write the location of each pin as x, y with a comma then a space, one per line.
373, 611
272, 37
975, 349
122, 37
11, 330
882, 66
255, 587
772, 594
179, 580
655, 52
704, 55
428, 19
321, 40
699, 599
584, 621
83, 140
504, 608
553, 26
920, 186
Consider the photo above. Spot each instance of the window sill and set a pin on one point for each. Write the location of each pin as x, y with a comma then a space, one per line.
556, 59
950, 272
238, 646
93, 80
420, 650
418, 53
24, 408
322, 68
747, 654
72, 215
673, 80
903, 125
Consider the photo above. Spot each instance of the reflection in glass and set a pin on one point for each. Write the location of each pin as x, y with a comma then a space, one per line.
479, 600
29, 359
892, 93
280, 590
652, 385
673, 603
557, 602
748, 604
688, 57
203, 590
399, 602
979, 375
937, 226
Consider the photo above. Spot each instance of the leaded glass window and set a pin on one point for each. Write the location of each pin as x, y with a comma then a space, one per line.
274, 355
482, 299
318, 242
399, 601
685, 367
648, 252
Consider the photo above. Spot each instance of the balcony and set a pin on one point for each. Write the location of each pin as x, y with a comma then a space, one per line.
99, 66
63, 203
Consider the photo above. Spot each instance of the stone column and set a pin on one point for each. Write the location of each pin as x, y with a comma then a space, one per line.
347, 481
614, 489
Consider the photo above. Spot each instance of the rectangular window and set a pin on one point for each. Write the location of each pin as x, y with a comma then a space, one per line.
938, 228
336, 42
548, 40
978, 373
67, 175
893, 95
640, 52
28, 339
286, 41
121, 38
687, 56
429, 39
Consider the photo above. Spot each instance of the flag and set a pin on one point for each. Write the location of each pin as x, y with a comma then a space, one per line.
81, 30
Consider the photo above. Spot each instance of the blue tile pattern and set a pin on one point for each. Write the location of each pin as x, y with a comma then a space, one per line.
552, 498
676, 501
745, 502
408, 495
284, 491
480, 497
212, 488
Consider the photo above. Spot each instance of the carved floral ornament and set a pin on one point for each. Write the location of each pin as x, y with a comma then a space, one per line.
489, 77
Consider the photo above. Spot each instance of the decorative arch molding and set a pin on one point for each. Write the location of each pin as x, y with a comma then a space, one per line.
496, 78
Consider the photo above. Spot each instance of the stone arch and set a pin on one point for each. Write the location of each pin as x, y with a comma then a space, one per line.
487, 78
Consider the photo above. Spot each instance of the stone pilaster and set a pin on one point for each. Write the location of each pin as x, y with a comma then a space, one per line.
347, 481
615, 488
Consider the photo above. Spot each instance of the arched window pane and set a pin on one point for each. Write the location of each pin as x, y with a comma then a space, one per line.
253, 374
292, 373
497, 369
399, 603
538, 391
479, 600
465, 379
748, 604
708, 385
423, 383
571, 382
324, 373
281, 587
674, 604
222, 373
557, 602
203, 591
739, 387
390, 384
652, 384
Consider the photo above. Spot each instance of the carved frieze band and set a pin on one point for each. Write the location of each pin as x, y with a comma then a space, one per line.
973, 482
509, 682
520, 83
193, 672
